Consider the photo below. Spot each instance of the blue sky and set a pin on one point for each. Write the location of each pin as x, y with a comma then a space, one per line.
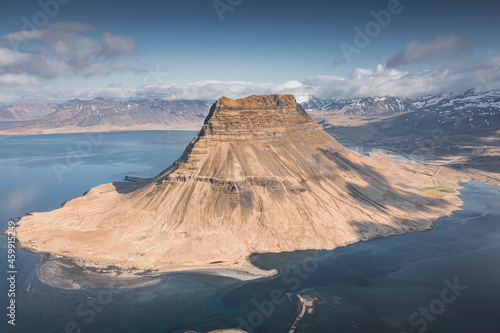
60, 49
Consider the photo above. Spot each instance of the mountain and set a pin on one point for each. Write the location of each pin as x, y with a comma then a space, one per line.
309, 102
70, 102
449, 112
260, 176
357, 106
32, 111
461, 130
457, 111
468, 111
22, 112
105, 114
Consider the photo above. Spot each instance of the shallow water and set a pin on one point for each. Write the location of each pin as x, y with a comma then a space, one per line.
372, 286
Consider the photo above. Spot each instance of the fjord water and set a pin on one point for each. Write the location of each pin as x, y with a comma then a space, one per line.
382, 285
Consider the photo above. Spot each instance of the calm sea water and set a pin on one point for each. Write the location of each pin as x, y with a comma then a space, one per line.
444, 280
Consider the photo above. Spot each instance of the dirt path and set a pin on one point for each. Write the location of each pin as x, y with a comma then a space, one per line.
435, 175
307, 304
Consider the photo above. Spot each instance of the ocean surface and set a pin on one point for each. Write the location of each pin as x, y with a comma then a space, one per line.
443, 280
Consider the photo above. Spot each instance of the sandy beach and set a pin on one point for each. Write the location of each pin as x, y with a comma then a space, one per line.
67, 273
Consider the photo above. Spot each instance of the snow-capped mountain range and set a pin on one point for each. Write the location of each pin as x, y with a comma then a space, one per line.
356, 106
464, 111
455, 111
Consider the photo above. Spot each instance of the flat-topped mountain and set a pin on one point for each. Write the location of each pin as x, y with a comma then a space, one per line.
260, 176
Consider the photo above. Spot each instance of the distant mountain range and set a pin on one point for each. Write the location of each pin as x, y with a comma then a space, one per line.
460, 127
357, 106
104, 114
23, 112
470, 110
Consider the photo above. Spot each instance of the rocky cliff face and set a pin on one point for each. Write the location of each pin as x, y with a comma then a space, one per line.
261, 176
257, 117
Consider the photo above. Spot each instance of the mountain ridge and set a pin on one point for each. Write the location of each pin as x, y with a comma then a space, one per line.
109, 115
102, 114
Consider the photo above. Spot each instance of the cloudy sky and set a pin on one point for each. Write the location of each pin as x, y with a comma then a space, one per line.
53, 50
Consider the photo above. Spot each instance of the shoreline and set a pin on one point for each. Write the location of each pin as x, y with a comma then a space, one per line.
69, 273
93, 267
66, 273
4, 131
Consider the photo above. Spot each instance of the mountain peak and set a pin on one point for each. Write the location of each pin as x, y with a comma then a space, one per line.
257, 116
257, 101
304, 98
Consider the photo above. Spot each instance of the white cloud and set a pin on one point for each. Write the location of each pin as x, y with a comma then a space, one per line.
117, 44
380, 81
444, 45
16, 79
51, 32
30, 68
62, 49
384, 81
29, 64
